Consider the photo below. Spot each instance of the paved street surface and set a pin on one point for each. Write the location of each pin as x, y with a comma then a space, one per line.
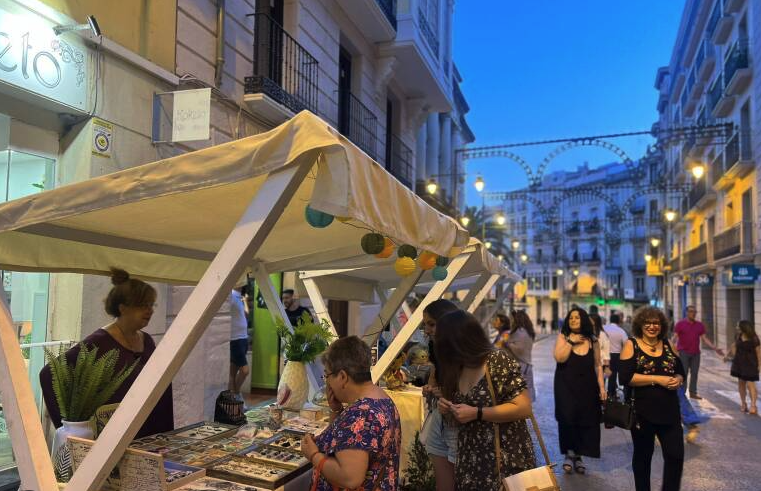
725, 456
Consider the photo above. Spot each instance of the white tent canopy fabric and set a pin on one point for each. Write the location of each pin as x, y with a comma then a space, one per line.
166, 220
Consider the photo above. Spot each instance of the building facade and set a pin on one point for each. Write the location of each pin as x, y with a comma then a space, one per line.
379, 71
713, 78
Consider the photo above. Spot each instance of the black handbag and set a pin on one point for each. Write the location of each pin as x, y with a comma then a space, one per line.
620, 412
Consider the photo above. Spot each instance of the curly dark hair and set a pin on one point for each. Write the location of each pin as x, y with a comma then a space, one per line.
587, 328
647, 313
522, 320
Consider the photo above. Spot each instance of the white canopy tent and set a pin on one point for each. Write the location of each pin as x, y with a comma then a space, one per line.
202, 218
358, 278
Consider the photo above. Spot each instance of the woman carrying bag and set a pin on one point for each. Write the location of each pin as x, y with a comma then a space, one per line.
484, 391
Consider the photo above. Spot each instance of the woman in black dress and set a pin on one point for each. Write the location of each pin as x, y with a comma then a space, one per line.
746, 353
579, 390
651, 368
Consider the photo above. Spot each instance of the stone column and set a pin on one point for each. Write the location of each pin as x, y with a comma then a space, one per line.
432, 146
445, 156
420, 153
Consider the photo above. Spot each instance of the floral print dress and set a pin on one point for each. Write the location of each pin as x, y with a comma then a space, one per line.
372, 425
475, 468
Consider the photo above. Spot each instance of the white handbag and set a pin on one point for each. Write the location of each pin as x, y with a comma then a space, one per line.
537, 479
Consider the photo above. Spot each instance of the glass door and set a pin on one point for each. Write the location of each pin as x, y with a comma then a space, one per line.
22, 174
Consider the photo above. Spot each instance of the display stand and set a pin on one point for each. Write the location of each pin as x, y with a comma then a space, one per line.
203, 218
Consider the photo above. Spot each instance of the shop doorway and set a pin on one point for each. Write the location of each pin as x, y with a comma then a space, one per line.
555, 315
706, 311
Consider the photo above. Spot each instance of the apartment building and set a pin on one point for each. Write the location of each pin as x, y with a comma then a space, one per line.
713, 79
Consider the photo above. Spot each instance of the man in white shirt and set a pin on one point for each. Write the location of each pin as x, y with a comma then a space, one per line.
617, 337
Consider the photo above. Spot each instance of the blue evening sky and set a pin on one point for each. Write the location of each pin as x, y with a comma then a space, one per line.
547, 69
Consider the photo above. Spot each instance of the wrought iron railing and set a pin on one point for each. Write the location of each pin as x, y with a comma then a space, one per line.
737, 239
714, 93
695, 257
592, 257
389, 10
676, 263
685, 95
737, 59
431, 37
697, 192
574, 228
283, 69
701, 56
713, 20
732, 152
399, 161
746, 149
359, 124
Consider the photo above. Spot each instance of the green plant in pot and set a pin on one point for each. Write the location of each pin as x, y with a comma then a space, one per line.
301, 346
80, 389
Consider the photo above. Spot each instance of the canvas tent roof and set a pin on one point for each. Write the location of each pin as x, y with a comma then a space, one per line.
166, 220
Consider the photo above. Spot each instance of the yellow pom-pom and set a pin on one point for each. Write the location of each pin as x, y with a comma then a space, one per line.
426, 260
404, 266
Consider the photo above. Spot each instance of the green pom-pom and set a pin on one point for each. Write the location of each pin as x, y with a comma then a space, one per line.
373, 243
442, 261
439, 273
317, 219
407, 250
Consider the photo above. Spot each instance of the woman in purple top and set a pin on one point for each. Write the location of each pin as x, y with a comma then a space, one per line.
360, 449
130, 302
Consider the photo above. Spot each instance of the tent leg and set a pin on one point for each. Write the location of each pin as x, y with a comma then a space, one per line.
318, 302
479, 291
277, 311
244, 241
414, 320
389, 309
24, 425
497, 303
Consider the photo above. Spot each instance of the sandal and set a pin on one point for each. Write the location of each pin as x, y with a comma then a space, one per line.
743, 408
753, 410
568, 465
579, 466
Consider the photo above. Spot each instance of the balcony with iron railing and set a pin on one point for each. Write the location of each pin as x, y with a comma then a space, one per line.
717, 168
358, 123
737, 163
591, 257
714, 94
737, 72
675, 264
375, 19
574, 228
593, 226
285, 74
720, 28
713, 21
399, 161
695, 257
707, 59
737, 239
700, 196
429, 34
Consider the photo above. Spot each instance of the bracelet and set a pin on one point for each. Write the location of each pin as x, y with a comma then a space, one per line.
480, 414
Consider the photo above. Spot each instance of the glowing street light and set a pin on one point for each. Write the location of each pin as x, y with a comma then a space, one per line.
487, 244
576, 272
479, 184
559, 272
698, 170
501, 218
524, 258
648, 257
516, 244
501, 257
465, 220
670, 215
431, 186
655, 241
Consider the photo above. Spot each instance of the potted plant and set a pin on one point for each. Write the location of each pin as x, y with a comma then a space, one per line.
300, 346
80, 389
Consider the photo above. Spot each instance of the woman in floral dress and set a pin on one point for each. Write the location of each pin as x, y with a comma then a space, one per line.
485, 393
360, 449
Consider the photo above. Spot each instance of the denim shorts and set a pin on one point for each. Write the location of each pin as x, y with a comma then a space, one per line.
442, 439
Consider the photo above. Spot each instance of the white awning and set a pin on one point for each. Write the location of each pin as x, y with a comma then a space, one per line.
166, 220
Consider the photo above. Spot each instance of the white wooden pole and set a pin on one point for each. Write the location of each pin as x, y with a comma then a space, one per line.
479, 291
244, 241
416, 318
318, 303
389, 309
20, 409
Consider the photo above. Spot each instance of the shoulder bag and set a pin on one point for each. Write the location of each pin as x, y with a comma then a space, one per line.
620, 412
537, 479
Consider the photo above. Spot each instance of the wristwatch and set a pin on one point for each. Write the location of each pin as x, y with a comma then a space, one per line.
480, 414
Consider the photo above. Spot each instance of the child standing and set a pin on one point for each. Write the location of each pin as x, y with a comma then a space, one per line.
745, 365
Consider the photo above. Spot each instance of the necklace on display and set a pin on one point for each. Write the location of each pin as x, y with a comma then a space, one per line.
653, 347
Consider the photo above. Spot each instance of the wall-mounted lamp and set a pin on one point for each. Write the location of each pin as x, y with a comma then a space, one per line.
91, 24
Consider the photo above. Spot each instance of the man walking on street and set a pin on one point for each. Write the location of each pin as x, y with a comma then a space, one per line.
293, 310
687, 334
617, 338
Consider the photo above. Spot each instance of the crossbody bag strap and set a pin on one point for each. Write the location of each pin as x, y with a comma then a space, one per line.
497, 448
539, 438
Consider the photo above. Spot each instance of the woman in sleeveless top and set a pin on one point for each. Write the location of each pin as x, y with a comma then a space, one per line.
652, 370
746, 359
579, 390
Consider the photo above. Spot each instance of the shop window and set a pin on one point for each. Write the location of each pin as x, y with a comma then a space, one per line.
22, 174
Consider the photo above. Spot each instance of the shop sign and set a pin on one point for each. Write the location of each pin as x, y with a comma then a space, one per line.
102, 137
33, 58
744, 274
702, 279
191, 115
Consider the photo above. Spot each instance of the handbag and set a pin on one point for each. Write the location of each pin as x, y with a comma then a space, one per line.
620, 412
537, 479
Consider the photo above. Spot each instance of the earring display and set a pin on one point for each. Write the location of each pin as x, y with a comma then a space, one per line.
286, 439
304, 425
249, 471
278, 456
205, 431
211, 484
